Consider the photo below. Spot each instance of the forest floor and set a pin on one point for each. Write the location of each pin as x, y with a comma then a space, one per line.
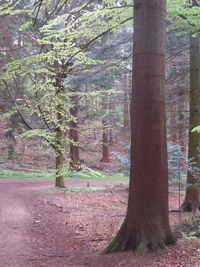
71, 228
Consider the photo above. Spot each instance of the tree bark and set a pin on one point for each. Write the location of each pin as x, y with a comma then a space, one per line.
59, 155
192, 197
126, 102
146, 225
59, 139
73, 136
111, 121
59, 170
105, 137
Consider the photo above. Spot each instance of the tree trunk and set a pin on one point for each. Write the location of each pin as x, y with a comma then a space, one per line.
59, 155
59, 139
146, 225
111, 121
126, 102
192, 198
105, 138
59, 170
73, 136
105, 146
74, 148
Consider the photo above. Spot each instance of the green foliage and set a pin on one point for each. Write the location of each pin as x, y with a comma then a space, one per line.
183, 16
25, 175
58, 47
196, 129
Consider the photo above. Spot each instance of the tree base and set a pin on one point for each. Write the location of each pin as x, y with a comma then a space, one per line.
75, 167
192, 200
151, 239
189, 206
60, 182
105, 160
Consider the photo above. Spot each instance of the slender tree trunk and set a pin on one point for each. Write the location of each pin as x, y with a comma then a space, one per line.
173, 125
111, 121
146, 225
192, 198
181, 124
59, 157
105, 146
59, 169
105, 137
59, 139
126, 102
74, 138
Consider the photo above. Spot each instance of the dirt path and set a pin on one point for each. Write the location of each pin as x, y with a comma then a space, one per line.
62, 230
32, 233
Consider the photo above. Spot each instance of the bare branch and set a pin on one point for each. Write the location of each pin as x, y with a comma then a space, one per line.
96, 38
16, 106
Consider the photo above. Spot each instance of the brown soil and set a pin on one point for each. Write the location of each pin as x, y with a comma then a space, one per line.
70, 229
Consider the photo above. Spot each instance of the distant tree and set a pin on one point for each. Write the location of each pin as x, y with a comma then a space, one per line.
192, 197
187, 20
74, 135
146, 225
57, 56
105, 134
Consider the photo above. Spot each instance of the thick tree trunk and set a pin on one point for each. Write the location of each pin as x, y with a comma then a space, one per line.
146, 225
192, 198
74, 138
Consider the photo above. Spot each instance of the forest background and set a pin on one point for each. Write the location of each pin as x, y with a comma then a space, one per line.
66, 70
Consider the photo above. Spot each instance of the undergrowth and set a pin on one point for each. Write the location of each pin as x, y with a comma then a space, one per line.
85, 174
73, 189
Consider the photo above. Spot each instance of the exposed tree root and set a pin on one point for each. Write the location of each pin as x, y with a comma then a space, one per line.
190, 206
140, 243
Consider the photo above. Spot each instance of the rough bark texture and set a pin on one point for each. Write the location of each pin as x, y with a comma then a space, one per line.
146, 225
192, 198
74, 138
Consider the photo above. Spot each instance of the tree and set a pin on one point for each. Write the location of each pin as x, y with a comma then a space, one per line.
73, 136
192, 197
187, 16
105, 134
126, 101
146, 224
55, 55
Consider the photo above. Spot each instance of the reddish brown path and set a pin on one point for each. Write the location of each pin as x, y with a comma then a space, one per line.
32, 233
34, 229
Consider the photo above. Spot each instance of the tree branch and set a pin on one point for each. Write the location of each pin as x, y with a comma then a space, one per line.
16, 106
96, 38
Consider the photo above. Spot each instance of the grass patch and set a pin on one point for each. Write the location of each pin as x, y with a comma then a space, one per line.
90, 174
25, 175
85, 174
73, 189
